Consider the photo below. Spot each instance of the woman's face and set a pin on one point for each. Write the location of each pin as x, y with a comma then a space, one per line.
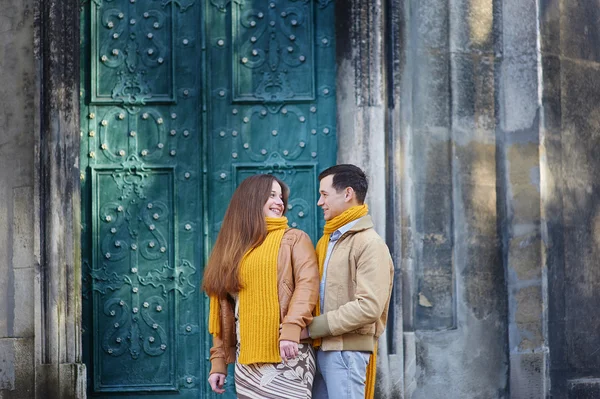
274, 206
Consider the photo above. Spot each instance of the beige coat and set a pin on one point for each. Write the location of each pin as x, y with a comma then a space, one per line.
357, 291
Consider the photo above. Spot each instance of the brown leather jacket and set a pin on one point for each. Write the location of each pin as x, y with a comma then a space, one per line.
298, 290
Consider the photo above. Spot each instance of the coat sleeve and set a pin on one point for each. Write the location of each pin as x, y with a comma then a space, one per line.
218, 352
306, 289
373, 284
217, 356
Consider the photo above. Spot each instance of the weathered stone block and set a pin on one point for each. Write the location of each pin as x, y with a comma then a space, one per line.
527, 377
473, 98
580, 31
431, 97
519, 85
7, 363
519, 27
580, 85
431, 21
24, 370
484, 293
478, 211
530, 337
550, 26
432, 156
472, 26
552, 95
524, 256
475, 166
584, 388
22, 227
524, 183
433, 203
434, 307
24, 302
529, 305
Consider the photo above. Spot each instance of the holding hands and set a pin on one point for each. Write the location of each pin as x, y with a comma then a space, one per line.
288, 350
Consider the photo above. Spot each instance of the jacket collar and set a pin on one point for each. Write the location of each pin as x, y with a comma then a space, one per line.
364, 223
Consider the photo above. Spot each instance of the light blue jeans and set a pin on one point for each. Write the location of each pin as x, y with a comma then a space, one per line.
340, 375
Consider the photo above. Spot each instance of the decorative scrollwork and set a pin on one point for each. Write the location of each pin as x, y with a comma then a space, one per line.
274, 88
131, 89
183, 5
132, 51
172, 278
131, 179
114, 340
125, 331
275, 41
103, 280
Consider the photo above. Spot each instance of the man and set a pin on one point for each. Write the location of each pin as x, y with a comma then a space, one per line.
356, 284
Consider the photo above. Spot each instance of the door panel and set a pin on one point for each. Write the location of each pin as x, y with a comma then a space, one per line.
272, 99
141, 192
162, 150
271, 102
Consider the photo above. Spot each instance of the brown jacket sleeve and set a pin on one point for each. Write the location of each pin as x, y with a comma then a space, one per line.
220, 353
306, 289
217, 357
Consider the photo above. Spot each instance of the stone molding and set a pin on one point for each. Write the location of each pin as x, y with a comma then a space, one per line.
59, 371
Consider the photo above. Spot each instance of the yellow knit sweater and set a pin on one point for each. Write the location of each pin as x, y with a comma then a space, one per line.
259, 312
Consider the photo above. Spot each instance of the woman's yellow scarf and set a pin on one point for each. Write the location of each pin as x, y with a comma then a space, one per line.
259, 312
349, 215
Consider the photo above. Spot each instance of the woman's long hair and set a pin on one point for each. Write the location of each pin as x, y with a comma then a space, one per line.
243, 228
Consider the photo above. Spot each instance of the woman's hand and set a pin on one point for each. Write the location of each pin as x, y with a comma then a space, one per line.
217, 381
288, 349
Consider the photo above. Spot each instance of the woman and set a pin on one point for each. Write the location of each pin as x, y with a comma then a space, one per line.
263, 281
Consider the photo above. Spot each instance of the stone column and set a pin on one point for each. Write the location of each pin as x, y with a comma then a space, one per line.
521, 197
362, 138
454, 288
17, 226
61, 373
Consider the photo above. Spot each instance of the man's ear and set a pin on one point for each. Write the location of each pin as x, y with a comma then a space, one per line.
349, 194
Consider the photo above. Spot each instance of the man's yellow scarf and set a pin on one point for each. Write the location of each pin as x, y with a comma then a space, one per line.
331, 226
259, 312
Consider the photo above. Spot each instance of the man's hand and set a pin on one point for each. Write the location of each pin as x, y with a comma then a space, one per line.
288, 349
217, 381
304, 333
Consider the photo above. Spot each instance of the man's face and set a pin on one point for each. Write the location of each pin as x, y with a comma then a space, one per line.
332, 202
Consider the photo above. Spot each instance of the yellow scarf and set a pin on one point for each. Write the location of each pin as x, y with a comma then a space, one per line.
332, 225
258, 301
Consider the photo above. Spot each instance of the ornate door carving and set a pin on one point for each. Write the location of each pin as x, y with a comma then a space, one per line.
180, 100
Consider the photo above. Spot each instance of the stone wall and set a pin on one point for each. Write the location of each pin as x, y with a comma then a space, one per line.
447, 105
570, 122
18, 261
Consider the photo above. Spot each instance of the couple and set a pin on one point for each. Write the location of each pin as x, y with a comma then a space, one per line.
295, 323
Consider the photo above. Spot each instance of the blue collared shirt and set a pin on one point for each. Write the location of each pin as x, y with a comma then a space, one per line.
332, 240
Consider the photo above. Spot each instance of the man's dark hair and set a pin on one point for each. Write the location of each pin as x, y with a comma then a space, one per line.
347, 175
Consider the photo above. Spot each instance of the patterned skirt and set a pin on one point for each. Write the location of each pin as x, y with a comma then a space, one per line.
290, 380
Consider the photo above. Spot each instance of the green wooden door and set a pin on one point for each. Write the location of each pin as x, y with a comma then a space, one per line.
180, 100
